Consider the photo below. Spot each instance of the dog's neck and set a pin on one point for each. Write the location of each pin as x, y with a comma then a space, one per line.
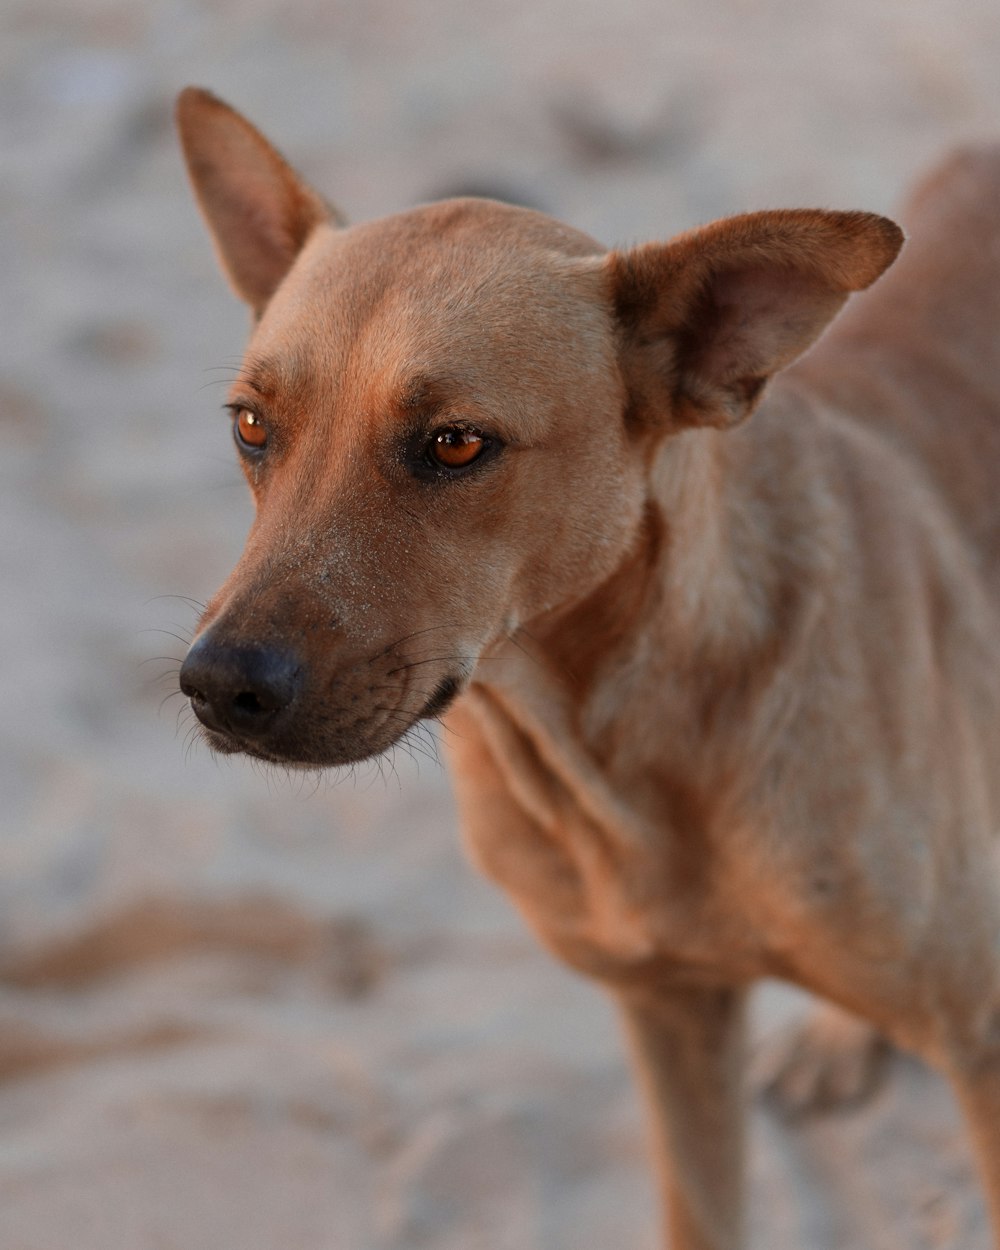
711, 601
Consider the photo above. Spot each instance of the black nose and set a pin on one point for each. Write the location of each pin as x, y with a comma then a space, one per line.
239, 689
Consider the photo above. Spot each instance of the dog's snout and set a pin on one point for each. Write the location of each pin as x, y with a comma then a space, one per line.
239, 689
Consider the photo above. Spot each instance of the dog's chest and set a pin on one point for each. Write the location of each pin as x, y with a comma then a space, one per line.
616, 894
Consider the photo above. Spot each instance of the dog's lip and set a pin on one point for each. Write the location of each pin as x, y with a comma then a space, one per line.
228, 742
224, 743
445, 693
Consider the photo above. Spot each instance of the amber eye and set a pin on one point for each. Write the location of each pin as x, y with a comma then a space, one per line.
454, 448
250, 430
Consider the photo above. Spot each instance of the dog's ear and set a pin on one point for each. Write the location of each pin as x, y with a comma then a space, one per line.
259, 211
708, 317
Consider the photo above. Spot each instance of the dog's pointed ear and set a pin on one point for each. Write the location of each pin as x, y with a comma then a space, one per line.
258, 210
707, 318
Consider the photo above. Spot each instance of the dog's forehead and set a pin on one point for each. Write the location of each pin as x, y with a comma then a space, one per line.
462, 285
467, 229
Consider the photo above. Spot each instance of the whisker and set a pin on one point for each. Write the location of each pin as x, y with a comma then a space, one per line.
433, 659
423, 742
155, 684
218, 382
166, 699
191, 741
185, 642
410, 739
193, 603
404, 745
417, 633
512, 637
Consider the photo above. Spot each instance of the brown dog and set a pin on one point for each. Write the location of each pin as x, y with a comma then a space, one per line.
725, 692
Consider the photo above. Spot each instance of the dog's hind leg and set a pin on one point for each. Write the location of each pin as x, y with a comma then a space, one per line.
688, 1046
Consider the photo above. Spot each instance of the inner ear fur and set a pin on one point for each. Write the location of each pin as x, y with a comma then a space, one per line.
259, 211
708, 317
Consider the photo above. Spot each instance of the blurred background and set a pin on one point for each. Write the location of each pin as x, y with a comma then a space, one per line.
241, 1011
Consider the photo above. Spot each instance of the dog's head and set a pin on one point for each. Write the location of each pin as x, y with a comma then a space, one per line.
446, 418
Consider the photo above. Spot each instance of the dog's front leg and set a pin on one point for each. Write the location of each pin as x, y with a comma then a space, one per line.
975, 1075
688, 1047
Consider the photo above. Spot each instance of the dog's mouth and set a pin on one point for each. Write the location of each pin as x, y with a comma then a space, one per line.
256, 703
310, 750
447, 691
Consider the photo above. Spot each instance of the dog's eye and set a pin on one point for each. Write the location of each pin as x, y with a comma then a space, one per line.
454, 448
249, 429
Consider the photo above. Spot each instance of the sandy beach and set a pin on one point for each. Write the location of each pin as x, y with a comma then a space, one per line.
241, 1011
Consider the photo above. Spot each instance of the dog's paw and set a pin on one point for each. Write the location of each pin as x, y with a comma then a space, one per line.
830, 1061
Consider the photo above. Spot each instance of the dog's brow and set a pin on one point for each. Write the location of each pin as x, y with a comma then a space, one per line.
422, 392
268, 376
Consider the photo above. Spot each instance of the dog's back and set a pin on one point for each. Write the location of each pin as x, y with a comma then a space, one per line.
919, 355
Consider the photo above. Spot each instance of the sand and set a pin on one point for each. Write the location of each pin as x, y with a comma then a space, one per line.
239, 1012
